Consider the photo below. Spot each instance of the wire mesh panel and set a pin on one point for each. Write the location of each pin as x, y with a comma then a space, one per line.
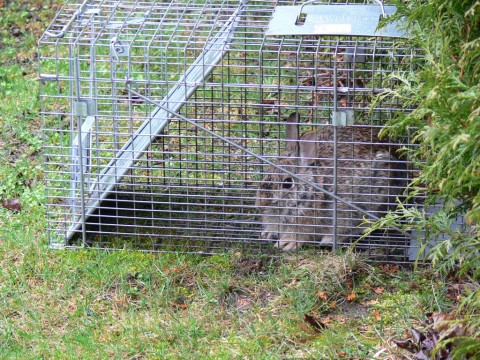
184, 125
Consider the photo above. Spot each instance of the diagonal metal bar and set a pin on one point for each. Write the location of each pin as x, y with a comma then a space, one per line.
259, 157
266, 161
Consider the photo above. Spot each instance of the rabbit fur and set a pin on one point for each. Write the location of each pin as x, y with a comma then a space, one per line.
294, 212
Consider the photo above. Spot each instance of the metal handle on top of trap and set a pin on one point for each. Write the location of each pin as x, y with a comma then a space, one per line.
302, 16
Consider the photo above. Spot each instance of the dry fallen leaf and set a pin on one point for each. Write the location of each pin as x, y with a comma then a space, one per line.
406, 344
12, 204
379, 290
436, 326
321, 295
369, 303
307, 328
179, 306
445, 326
332, 305
326, 320
351, 297
340, 320
376, 314
315, 323
389, 268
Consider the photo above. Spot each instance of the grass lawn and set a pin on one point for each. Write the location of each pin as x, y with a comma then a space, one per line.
97, 304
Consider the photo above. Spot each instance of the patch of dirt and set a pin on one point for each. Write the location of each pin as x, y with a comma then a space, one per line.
352, 310
135, 279
242, 298
242, 301
251, 266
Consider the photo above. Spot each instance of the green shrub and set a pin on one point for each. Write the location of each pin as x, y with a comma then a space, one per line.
444, 89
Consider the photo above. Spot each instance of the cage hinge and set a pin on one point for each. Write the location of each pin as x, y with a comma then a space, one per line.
343, 118
84, 107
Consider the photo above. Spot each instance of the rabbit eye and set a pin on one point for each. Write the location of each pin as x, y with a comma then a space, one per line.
288, 183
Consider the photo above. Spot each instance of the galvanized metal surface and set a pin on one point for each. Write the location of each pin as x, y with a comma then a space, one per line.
161, 119
333, 19
114, 171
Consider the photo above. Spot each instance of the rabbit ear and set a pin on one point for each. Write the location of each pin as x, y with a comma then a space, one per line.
308, 148
292, 147
292, 126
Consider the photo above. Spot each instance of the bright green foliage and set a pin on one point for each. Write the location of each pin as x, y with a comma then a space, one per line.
444, 88
446, 91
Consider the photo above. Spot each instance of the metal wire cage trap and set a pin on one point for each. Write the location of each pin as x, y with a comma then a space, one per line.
163, 119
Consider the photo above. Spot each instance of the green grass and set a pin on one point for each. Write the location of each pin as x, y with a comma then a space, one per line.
130, 305
125, 304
